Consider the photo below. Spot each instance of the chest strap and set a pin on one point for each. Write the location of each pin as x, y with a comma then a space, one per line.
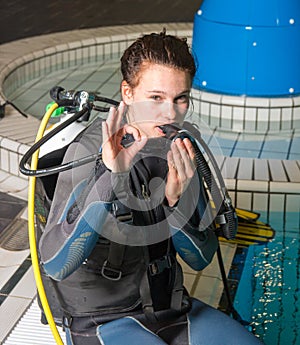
111, 268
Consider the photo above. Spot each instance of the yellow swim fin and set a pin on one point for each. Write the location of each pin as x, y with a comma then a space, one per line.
251, 231
247, 215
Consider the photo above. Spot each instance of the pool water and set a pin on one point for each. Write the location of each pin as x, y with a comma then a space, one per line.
268, 293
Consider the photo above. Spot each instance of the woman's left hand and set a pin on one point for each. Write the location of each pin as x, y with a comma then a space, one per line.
182, 166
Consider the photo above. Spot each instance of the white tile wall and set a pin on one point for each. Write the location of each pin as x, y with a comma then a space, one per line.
14, 163
248, 113
261, 201
293, 204
4, 159
204, 108
277, 202
244, 200
226, 112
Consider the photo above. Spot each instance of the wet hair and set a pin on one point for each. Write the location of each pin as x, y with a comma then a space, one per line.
161, 48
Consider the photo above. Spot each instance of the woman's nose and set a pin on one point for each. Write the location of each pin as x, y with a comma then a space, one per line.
171, 111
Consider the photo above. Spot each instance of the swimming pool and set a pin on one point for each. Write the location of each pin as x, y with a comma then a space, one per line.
269, 284
268, 293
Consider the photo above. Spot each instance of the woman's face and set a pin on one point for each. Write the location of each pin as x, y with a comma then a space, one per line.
160, 97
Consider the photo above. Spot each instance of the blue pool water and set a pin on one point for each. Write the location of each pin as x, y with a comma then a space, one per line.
268, 293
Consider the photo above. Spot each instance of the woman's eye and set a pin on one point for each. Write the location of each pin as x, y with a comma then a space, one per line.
156, 98
182, 99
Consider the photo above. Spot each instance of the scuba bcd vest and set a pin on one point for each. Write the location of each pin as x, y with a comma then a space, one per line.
118, 278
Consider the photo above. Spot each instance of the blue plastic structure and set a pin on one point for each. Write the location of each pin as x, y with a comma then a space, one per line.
248, 47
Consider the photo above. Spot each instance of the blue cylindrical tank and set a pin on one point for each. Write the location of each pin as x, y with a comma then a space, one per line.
249, 47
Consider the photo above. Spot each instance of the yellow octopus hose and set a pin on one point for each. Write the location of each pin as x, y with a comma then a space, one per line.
31, 231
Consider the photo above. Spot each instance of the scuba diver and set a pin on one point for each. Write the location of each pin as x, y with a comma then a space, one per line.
116, 224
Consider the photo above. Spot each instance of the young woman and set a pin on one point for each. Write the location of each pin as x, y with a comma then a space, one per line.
116, 226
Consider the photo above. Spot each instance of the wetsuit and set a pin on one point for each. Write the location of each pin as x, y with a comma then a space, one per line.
110, 246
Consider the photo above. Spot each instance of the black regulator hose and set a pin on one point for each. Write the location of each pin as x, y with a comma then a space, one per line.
58, 168
226, 216
70, 99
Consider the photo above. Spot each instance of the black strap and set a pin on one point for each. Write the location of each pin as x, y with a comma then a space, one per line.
111, 268
177, 292
147, 302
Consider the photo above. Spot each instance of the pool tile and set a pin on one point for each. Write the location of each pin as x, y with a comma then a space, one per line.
245, 171
246, 153
261, 170
281, 102
230, 167
3, 176
244, 200
12, 259
189, 282
277, 202
261, 201
209, 290
13, 308
274, 155
226, 114
292, 169
255, 185
26, 288
292, 208
277, 170
10, 144
294, 156
285, 187
6, 273
15, 186
4, 160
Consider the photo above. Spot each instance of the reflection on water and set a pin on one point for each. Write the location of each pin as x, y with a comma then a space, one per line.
268, 294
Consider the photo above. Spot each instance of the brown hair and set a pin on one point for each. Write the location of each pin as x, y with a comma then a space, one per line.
156, 48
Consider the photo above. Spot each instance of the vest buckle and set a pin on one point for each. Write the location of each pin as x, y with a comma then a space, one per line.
159, 265
110, 273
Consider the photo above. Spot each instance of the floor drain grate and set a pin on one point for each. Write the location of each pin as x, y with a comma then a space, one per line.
16, 236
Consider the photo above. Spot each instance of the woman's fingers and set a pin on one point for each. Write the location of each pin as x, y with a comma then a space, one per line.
116, 156
184, 156
171, 164
190, 150
114, 118
120, 115
105, 132
137, 134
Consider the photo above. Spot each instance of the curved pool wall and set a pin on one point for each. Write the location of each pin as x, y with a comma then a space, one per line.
249, 114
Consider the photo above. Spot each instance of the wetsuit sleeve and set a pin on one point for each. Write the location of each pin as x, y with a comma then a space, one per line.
80, 206
191, 227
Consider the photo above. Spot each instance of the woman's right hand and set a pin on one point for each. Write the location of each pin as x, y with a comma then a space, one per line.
114, 155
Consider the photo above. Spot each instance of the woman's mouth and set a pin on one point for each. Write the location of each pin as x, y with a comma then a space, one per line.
160, 130
169, 130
